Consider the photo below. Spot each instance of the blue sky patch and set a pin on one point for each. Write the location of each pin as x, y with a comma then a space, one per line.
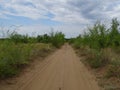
69, 15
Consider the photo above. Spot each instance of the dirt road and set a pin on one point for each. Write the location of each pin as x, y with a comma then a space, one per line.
60, 71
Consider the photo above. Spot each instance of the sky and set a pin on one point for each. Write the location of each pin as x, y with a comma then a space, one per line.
35, 17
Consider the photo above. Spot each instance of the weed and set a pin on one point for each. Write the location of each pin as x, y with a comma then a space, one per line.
114, 69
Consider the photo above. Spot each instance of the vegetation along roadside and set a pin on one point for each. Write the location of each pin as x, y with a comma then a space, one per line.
17, 51
100, 49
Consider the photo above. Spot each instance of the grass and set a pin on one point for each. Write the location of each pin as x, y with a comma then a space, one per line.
18, 50
100, 47
114, 69
12, 57
15, 56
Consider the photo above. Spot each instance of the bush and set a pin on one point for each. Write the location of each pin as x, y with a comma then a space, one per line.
99, 37
43, 38
57, 39
17, 50
12, 57
114, 69
98, 59
93, 59
17, 38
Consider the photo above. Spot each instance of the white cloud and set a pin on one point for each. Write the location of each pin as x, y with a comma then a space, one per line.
63, 10
73, 14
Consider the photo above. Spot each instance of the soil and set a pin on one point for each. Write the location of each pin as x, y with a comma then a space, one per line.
62, 70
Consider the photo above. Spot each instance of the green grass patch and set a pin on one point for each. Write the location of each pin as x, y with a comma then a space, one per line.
15, 56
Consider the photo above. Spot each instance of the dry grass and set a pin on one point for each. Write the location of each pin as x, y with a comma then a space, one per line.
16, 56
105, 64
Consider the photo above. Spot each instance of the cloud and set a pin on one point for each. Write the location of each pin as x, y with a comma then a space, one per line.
73, 14
76, 11
22, 8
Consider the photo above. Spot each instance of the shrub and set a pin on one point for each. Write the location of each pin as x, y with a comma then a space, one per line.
99, 37
114, 69
12, 57
93, 59
17, 38
98, 59
57, 39
43, 38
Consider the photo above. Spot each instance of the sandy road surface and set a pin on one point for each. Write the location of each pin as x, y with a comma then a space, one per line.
60, 71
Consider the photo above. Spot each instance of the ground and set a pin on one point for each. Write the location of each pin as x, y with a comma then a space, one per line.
62, 70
